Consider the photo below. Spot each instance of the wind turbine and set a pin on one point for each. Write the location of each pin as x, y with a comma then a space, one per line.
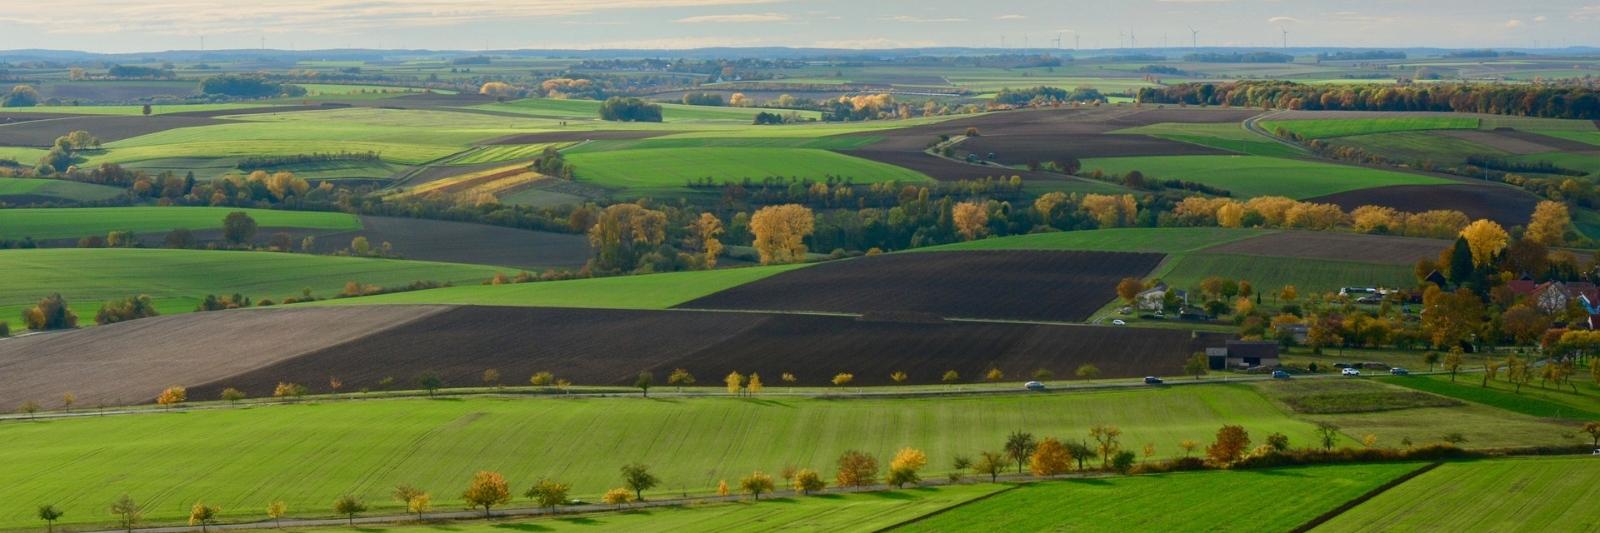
1058, 40
1285, 38
1194, 37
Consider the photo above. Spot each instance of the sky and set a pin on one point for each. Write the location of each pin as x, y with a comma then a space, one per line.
120, 26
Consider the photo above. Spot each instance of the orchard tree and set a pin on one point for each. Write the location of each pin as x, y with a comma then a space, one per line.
756, 484
1231, 443
173, 395
990, 463
1197, 365
906, 467
619, 497
679, 378
637, 477
548, 494
349, 506
1108, 438
735, 382
807, 481
754, 384
856, 469
407, 495
203, 515
487, 490
1049, 458
643, 382
276, 511
1020, 446
1593, 429
231, 395
238, 228
950, 377
1088, 371
127, 512
1326, 432
49, 514
898, 377
709, 228
1453, 361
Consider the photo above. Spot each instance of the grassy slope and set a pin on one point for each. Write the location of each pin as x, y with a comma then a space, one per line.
1270, 273
308, 454
1547, 494
590, 109
1247, 176
178, 279
1243, 500
867, 511
65, 190
1326, 128
672, 168
1226, 136
1163, 240
1419, 146
653, 291
78, 222
1534, 400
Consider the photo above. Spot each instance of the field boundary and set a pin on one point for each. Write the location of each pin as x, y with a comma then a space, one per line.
937, 512
1364, 498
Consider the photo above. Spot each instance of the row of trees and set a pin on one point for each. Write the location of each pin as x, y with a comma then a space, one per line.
1538, 100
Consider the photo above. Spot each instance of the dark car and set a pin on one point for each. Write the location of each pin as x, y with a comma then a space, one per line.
1152, 380
1279, 374
1033, 385
1399, 371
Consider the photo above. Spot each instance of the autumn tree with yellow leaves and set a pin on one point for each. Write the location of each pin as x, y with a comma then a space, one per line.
1549, 224
709, 228
971, 220
780, 232
1486, 240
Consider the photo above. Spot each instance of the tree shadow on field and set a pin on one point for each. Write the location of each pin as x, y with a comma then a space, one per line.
1096, 481
1278, 472
523, 527
828, 496
781, 500
893, 495
666, 400
579, 520
769, 403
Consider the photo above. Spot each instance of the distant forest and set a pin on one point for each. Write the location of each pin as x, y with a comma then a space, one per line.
1551, 101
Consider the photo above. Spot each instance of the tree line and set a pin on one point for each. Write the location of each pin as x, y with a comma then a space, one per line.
1532, 100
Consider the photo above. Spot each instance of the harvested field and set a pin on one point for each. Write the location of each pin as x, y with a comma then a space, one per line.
946, 170
131, 362
577, 135
40, 133
1022, 149
1508, 206
494, 180
462, 242
610, 347
1383, 249
1552, 143
1509, 141
1016, 285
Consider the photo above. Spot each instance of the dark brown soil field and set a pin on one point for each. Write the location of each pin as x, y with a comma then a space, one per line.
1497, 140
1553, 143
12, 118
575, 136
1012, 285
946, 170
1022, 149
1385, 249
1508, 206
40, 133
133, 361
610, 347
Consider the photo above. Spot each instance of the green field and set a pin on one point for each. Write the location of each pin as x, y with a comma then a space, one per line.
1268, 274
657, 169
1328, 128
308, 454
1225, 136
1241, 500
56, 190
1584, 161
1247, 176
1413, 146
1502, 495
866, 511
1591, 137
178, 279
130, 110
590, 110
1535, 399
48, 223
649, 291
1161, 240
832, 142
503, 152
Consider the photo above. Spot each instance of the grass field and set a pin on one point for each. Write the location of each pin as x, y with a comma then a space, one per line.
1189, 501
1247, 176
79, 222
590, 110
505, 152
1411, 146
308, 454
1163, 240
178, 279
1590, 137
869, 511
652, 291
1268, 274
1534, 400
1323, 129
833, 142
657, 169
56, 189
1584, 161
1225, 136
1546, 494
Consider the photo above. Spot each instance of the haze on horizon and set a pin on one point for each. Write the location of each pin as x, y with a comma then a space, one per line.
120, 26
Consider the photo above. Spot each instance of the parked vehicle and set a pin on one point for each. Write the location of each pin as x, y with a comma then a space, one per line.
1119, 322
1152, 380
1399, 371
1033, 385
1351, 372
1279, 374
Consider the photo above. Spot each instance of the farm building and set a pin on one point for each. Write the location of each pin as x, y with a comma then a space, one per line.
1554, 296
1243, 354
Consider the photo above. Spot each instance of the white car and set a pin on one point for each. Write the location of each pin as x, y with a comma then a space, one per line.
1352, 372
1119, 322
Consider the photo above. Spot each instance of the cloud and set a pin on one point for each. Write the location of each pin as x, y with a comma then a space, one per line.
204, 17
919, 20
1540, 18
872, 44
1513, 23
1283, 20
1586, 13
1010, 17
748, 17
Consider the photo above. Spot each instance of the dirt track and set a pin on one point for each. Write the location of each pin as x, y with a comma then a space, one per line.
1013, 285
1508, 206
133, 361
1337, 246
610, 347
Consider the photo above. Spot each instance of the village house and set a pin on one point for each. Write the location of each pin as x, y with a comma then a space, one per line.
1243, 354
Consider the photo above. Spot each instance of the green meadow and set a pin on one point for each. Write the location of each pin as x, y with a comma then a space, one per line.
655, 169
56, 189
1248, 176
1327, 128
1225, 136
1533, 495
178, 279
1268, 274
590, 110
241, 459
48, 223
647, 291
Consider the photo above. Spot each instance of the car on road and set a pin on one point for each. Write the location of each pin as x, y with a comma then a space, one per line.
1399, 371
1279, 374
1152, 380
1033, 385
1120, 322
1351, 372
